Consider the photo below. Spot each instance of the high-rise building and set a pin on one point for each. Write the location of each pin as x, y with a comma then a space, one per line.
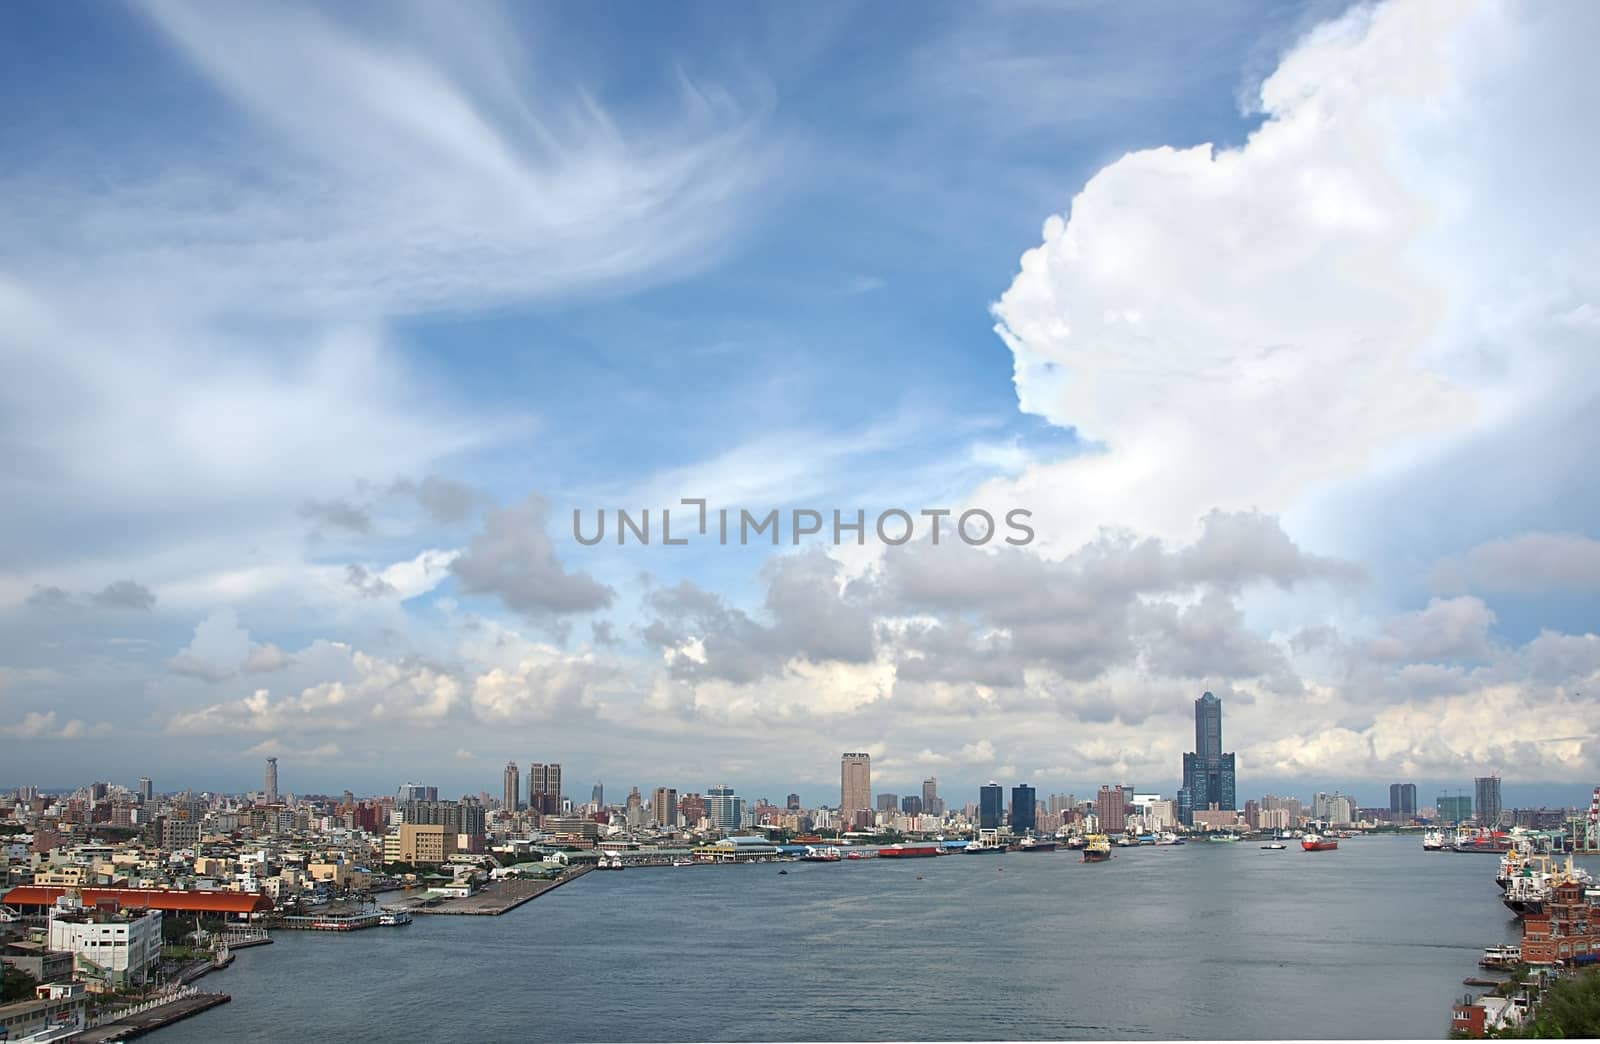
1486, 799
888, 802
416, 792
911, 805
1454, 808
544, 788
932, 803
1111, 810
1209, 779
271, 788
692, 809
1024, 810
597, 796
664, 807
991, 806
793, 804
855, 790
1403, 799
512, 800
722, 808
147, 790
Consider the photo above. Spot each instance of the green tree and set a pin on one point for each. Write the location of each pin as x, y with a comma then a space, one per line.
15, 984
1570, 1008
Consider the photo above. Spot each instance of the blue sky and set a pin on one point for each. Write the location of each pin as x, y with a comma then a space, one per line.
303, 304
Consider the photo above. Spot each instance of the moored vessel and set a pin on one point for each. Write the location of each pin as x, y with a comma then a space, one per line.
1033, 844
904, 851
1317, 843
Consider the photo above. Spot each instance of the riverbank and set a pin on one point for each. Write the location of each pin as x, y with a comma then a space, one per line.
152, 1019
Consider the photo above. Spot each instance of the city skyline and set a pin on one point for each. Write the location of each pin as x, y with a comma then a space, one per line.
1298, 413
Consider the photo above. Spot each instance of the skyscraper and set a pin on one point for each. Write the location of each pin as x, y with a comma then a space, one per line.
147, 790
911, 805
513, 787
544, 789
1454, 808
597, 796
1403, 799
1208, 774
271, 787
930, 797
793, 803
855, 790
1110, 810
991, 806
664, 807
1024, 810
722, 808
1486, 799
888, 802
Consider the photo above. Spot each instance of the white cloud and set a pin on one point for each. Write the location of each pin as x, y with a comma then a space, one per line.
1526, 563
1369, 280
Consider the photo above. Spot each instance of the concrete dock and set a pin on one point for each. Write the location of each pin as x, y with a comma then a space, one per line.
495, 898
153, 1019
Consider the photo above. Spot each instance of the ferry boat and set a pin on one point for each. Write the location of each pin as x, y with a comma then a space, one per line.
1508, 956
1169, 838
394, 918
827, 854
1097, 849
613, 863
1433, 841
1222, 837
1274, 846
683, 862
979, 848
1076, 841
908, 851
1033, 844
1314, 843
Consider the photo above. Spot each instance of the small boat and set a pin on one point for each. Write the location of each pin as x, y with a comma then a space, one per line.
1169, 838
1076, 841
394, 918
1222, 837
1315, 843
1275, 846
979, 848
1098, 849
783, 871
919, 877
1433, 841
683, 862
1501, 957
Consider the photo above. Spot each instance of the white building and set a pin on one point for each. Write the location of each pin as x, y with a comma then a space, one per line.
111, 948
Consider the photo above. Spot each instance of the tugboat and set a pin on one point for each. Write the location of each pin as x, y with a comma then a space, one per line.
1315, 843
1097, 849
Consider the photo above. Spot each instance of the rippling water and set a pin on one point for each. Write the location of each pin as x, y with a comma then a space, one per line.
1200, 940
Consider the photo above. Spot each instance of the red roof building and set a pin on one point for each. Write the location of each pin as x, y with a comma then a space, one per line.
167, 900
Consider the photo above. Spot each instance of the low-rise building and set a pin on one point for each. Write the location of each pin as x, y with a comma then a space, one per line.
112, 947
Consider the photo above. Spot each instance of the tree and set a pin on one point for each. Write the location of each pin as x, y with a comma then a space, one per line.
15, 984
1569, 1008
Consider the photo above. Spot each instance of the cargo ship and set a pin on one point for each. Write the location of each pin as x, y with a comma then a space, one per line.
1314, 843
1034, 844
908, 851
980, 848
826, 854
1097, 850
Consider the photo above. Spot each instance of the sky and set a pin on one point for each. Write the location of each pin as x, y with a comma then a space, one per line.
318, 324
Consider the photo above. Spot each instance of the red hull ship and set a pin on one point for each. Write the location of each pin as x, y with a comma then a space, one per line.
908, 851
1314, 843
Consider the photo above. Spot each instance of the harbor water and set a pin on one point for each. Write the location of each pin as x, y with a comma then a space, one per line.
1199, 940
